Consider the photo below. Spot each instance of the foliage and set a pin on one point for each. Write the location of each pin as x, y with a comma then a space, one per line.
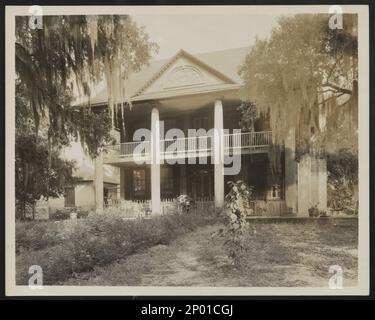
185, 202
343, 181
305, 78
236, 233
64, 214
36, 235
249, 114
69, 56
81, 245
34, 178
40, 172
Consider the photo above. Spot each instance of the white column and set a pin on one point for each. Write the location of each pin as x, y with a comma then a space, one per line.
304, 185
98, 183
219, 155
322, 185
155, 162
314, 188
312, 184
291, 173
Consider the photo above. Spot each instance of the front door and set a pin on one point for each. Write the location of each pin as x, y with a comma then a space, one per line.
202, 184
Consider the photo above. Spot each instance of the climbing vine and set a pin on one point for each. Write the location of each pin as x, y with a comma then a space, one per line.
237, 228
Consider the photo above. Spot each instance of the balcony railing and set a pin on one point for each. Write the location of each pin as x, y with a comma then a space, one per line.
245, 142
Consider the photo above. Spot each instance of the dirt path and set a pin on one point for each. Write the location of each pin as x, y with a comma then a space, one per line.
182, 265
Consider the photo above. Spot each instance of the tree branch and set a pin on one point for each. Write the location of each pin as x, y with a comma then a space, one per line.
337, 88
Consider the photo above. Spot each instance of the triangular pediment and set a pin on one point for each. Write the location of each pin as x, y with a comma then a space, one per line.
182, 72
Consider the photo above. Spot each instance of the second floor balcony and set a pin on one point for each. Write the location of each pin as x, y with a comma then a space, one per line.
197, 146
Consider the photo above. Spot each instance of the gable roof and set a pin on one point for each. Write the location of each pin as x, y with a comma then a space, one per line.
190, 57
224, 63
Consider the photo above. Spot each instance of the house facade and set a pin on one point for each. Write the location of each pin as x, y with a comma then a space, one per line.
182, 136
82, 194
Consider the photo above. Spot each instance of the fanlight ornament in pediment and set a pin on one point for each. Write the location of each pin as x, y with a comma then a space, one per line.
183, 76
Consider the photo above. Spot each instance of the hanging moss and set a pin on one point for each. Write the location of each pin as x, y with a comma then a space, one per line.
301, 74
68, 57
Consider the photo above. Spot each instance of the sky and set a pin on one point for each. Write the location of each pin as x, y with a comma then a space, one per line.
198, 33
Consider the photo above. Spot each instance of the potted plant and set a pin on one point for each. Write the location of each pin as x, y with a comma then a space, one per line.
185, 202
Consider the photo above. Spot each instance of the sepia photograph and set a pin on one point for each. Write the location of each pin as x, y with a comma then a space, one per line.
218, 150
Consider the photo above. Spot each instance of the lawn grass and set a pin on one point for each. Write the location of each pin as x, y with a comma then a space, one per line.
282, 253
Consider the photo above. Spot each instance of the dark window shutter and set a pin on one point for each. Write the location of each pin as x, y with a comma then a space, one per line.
128, 184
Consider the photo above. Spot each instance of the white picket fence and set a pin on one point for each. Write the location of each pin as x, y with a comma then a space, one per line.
130, 209
133, 209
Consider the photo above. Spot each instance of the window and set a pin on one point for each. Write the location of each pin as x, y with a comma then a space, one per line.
166, 177
139, 182
69, 197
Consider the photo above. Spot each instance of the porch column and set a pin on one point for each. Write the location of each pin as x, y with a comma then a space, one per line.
312, 184
98, 183
314, 198
304, 184
291, 173
218, 155
155, 162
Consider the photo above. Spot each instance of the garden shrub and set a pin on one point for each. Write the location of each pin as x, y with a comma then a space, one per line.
36, 235
65, 213
82, 213
342, 181
61, 214
100, 240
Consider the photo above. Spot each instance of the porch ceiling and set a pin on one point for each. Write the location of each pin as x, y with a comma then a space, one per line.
188, 102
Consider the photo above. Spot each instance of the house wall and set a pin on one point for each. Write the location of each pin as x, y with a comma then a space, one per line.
56, 203
85, 195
